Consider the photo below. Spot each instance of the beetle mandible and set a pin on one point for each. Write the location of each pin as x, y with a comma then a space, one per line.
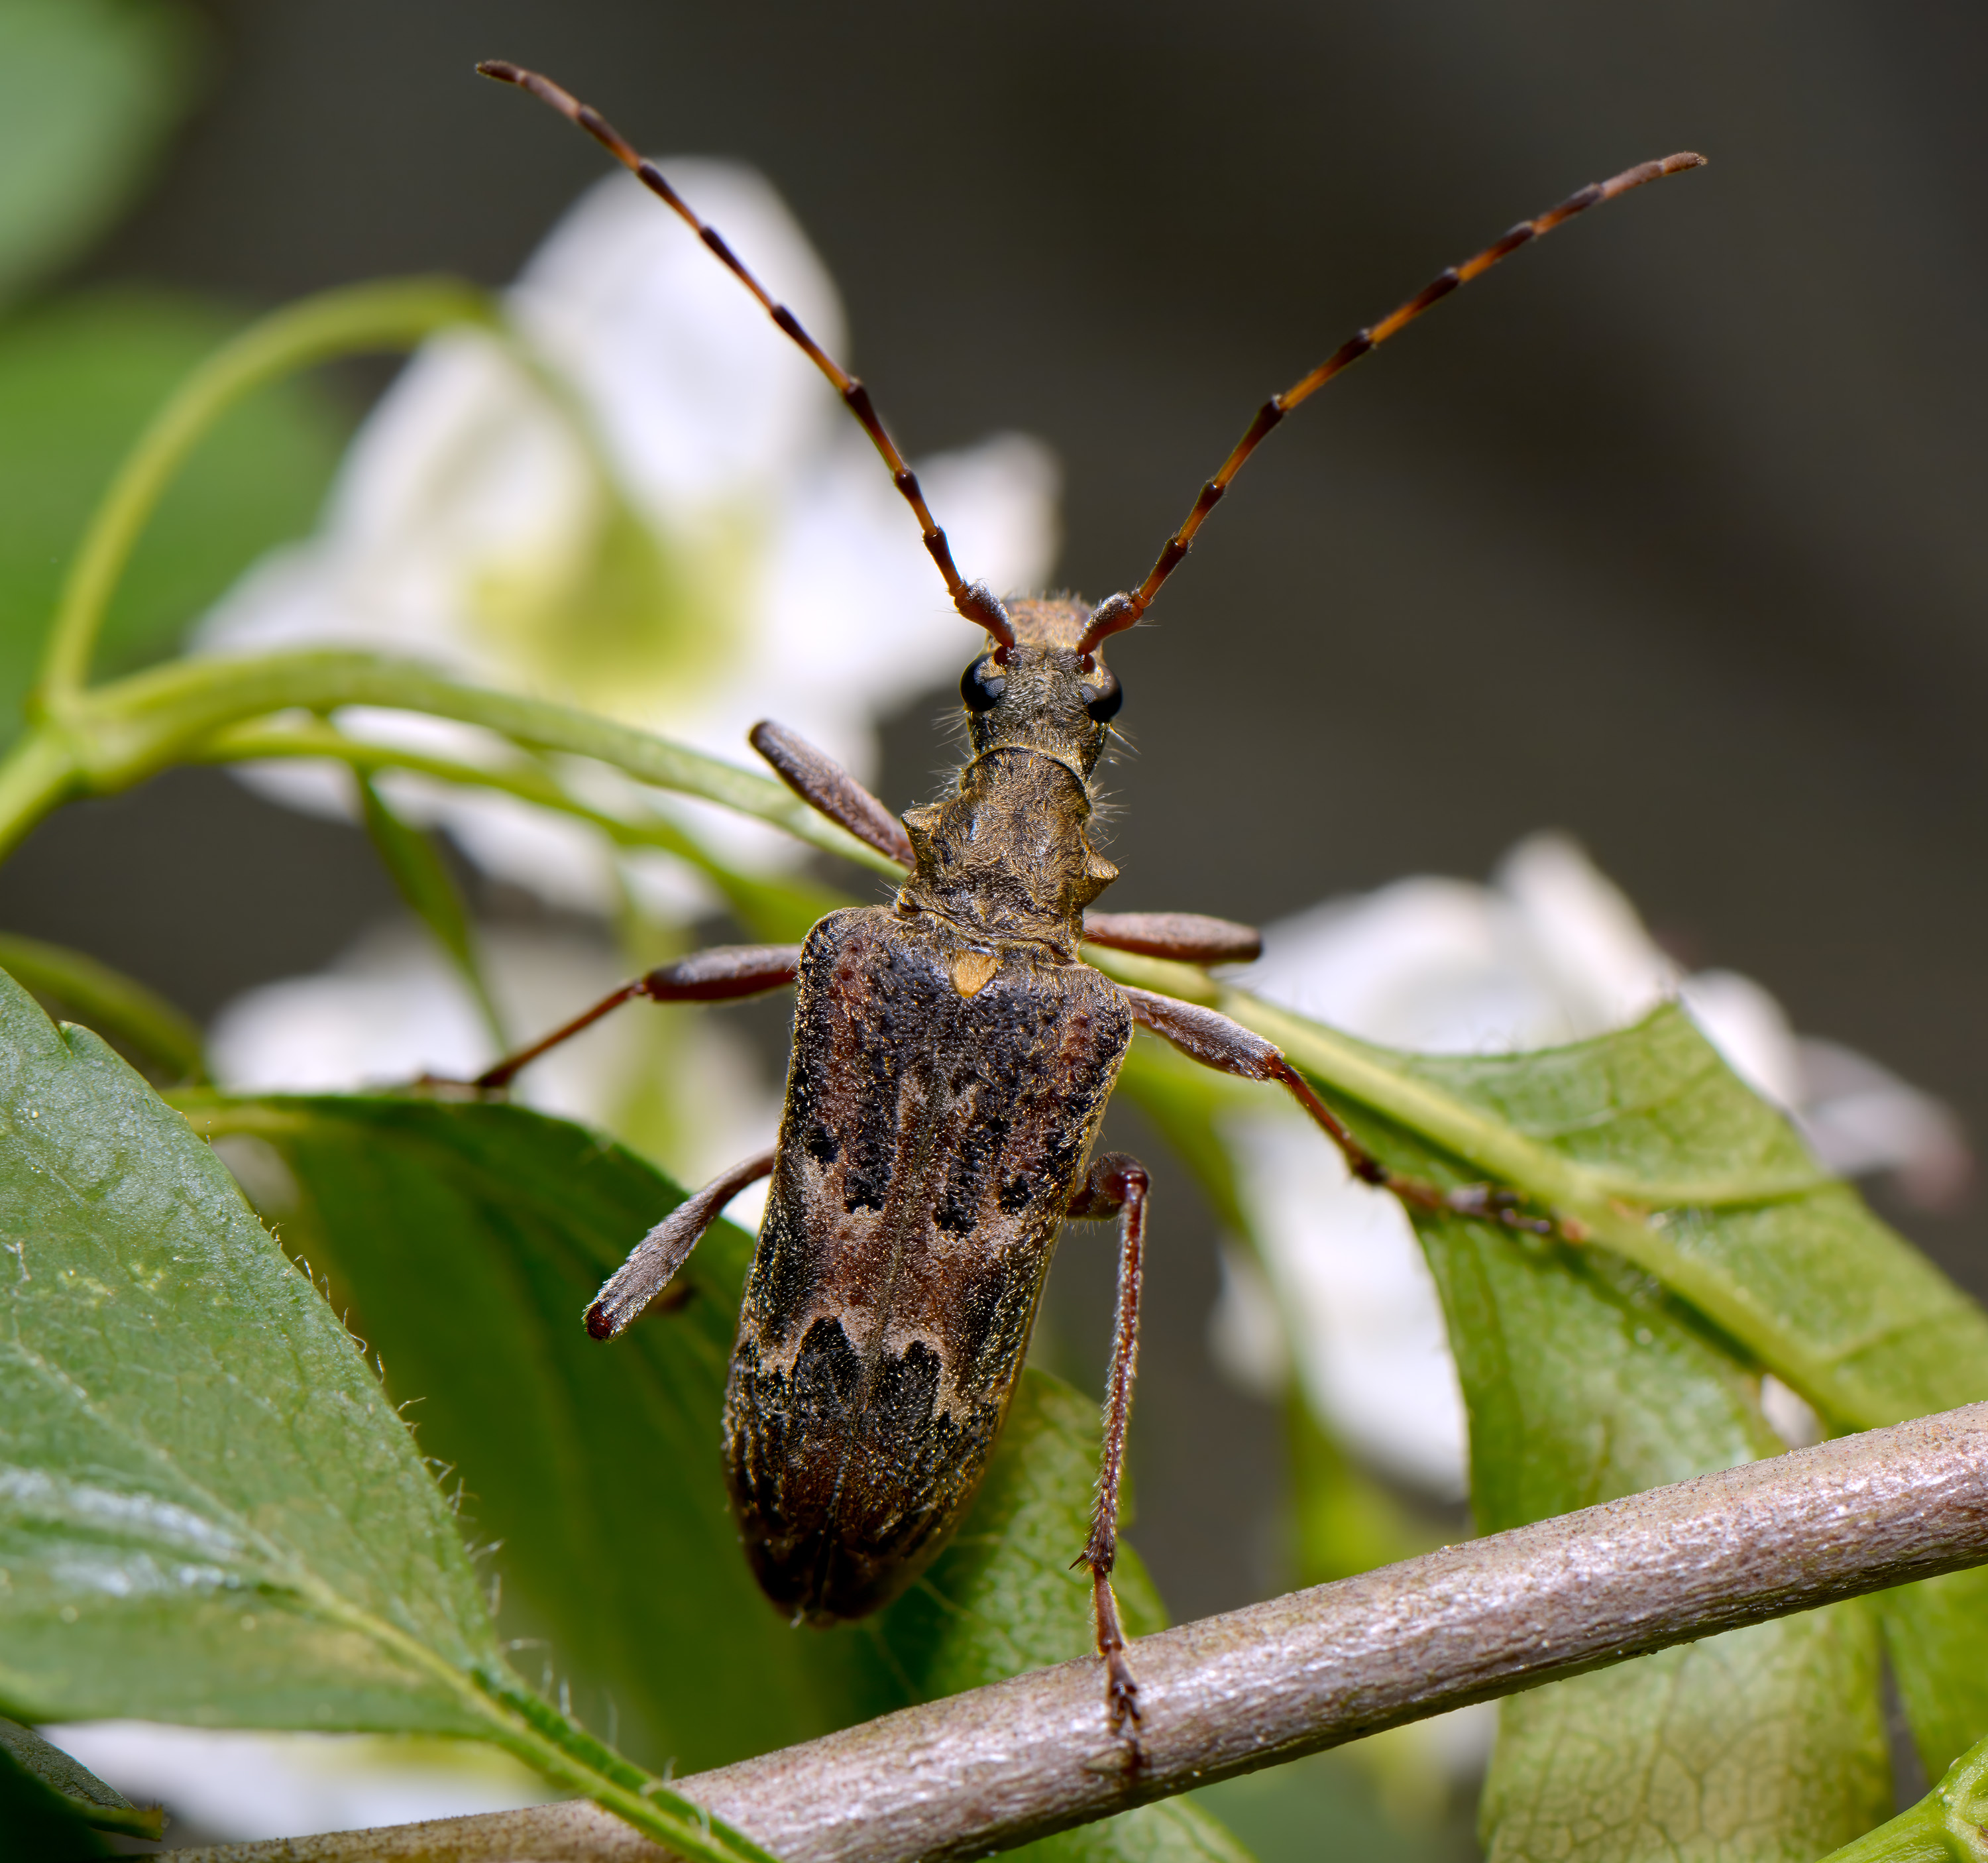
952, 1057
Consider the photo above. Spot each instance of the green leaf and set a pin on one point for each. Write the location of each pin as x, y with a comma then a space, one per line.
1795, 1273
1936, 1636
80, 1791
468, 1240
1765, 1742
602, 1460
117, 1006
88, 90
209, 1511
1648, 1140
1174, 1831
1585, 1379
1584, 1382
1947, 1826
39, 1824
78, 381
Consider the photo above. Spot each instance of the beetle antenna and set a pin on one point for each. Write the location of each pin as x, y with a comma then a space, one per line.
973, 600
1121, 611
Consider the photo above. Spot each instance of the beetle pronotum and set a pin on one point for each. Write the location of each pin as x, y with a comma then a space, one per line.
952, 1057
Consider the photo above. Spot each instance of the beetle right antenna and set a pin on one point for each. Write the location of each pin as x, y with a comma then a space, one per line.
1119, 612
974, 599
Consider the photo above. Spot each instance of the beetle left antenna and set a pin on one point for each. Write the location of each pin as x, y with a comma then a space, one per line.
974, 599
1119, 612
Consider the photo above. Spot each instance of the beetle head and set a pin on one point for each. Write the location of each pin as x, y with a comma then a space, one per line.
1043, 693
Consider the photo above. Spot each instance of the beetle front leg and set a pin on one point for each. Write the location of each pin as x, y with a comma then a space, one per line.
1217, 1041
657, 1257
826, 787
1116, 1185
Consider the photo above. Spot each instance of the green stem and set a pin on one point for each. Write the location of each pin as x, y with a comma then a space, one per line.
394, 315
1949, 1825
112, 1003
131, 729
779, 910
38, 774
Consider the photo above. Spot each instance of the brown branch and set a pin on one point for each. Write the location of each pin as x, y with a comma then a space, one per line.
999, 1766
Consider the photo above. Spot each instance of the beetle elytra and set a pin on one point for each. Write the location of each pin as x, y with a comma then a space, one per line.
953, 1055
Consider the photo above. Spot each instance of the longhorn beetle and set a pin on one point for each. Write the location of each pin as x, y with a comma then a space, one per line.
952, 1057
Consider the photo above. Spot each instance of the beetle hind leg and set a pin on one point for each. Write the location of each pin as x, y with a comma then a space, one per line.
1116, 1185
1216, 1041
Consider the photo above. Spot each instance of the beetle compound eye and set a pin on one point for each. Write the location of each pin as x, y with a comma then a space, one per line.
982, 684
1103, 699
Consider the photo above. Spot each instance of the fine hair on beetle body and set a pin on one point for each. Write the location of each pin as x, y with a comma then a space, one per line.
953, 1055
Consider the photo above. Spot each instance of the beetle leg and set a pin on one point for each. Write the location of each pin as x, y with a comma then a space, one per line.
1188, 937
823, 784
1217, 1041
1115, 1186
667, 1247
725, 973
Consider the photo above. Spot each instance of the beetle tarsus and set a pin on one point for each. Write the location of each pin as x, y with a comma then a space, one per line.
1121, 1691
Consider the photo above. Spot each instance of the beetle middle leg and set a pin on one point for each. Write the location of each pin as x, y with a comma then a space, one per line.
1116, 1185
1218, 1042
725, 973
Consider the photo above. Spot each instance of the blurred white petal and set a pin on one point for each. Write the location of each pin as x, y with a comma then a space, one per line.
1366, 1332
1789, 1414
1580, 937
700, 396
249, 1787
1750, 1029
749, 558
1859, 1117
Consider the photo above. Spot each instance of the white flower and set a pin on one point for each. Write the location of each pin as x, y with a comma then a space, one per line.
674, 521
1549, 952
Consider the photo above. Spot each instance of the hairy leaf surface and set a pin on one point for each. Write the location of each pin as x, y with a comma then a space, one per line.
208, 1510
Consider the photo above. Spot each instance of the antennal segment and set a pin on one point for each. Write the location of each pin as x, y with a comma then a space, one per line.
1121, 611
974, 599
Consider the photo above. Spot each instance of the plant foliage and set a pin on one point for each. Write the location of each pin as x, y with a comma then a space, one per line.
328, 1462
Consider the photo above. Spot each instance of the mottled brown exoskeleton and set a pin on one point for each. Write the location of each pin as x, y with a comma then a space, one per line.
953, 1054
